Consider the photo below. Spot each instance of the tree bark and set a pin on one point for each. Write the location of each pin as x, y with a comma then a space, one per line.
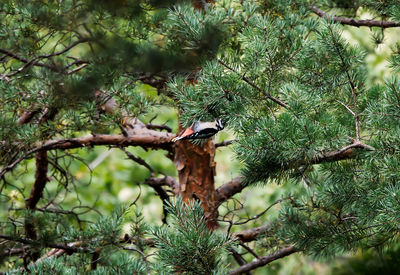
196, 170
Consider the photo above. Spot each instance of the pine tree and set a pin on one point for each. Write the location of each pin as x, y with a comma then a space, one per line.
303, 104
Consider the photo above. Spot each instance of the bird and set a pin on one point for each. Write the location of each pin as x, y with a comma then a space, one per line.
201, 130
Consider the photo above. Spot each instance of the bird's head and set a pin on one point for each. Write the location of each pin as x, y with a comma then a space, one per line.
219, 123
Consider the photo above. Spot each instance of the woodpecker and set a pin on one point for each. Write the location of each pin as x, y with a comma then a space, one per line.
201, 130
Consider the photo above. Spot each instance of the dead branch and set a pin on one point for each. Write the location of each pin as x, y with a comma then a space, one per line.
265, 260
255, 217
141, 137
354, 22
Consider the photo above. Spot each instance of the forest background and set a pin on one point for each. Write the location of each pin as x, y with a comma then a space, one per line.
121, 78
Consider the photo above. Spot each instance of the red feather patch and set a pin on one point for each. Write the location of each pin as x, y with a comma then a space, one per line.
187, 132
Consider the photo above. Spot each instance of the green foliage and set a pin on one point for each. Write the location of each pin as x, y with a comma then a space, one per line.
61, 53
120, 263
187, 245
300, 94
295, 91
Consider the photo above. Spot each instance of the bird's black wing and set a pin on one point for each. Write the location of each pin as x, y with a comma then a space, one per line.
206, 133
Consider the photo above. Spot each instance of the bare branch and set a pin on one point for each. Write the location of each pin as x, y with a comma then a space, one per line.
238, 258
265, 260
13, 251
40, 180
251, 251
226, 191
145, 138
164, 181
156, 81
252, 234
260, 214
27, 116
80, 67
66, 49
341, 154
159, 127
347, 107
138, 160
68, 247
354, 22
156, 184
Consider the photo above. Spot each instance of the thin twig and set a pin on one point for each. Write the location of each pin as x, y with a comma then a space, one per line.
252, 84
224, 143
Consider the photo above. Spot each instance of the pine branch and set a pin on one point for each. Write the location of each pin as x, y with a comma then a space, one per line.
352, 85
265, 260
145, 138
238, 258
229, 189
34, 61
252, 84
138, 160
35, 195
27, 116
59, 249
153, 182
135, 134
159, 127
346, 152
164, 181
67, 247
250, 235
354, 22
13, 251
40, 180
156, 183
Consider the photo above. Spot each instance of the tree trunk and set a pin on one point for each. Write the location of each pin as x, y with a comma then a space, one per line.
196, 169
